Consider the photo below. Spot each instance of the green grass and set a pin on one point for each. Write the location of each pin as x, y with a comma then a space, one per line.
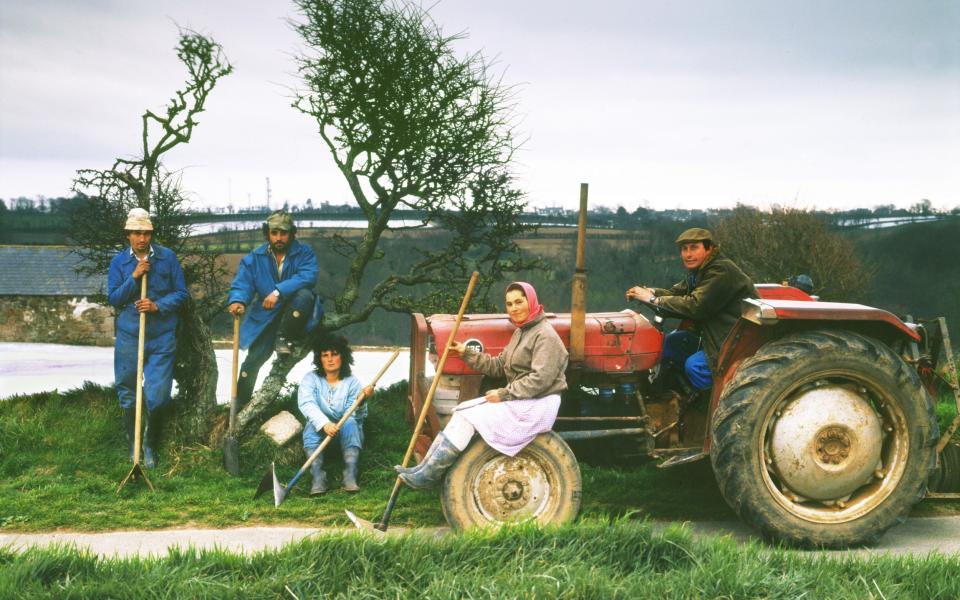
62, 456
591, 559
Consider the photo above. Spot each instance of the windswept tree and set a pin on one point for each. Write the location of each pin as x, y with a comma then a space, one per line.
143, 181
773, 246
411, 125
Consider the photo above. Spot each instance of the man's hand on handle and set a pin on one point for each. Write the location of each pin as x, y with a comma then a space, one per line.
143, 266
146, 306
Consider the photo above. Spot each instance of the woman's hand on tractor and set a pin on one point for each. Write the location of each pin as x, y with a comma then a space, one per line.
492, 396
458, 347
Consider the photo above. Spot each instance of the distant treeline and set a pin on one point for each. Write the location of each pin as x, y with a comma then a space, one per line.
45, 220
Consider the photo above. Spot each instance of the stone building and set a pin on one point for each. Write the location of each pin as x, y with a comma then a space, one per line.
43, 299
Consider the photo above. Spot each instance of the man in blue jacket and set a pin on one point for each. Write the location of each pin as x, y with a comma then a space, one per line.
277, 281
166, 292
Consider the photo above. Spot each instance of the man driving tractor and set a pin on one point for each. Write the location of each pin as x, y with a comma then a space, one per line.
710, 296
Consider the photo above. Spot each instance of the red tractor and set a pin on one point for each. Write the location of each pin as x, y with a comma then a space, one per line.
820, 425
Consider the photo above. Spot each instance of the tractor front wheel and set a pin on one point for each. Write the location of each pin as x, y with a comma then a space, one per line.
824, 438
542, 483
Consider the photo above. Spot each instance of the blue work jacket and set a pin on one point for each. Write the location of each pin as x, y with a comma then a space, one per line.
257, 278
165, 286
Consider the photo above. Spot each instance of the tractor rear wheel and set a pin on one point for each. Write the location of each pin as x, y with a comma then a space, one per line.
542, 483
824, 438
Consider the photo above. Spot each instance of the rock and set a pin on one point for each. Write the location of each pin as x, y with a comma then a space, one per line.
282, 427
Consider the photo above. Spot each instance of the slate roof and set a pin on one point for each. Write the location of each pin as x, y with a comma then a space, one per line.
45, 271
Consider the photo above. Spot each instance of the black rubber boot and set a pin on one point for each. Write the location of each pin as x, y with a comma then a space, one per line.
319, 485
129, 425
244, 390
150, 437
350, 457
426, 456
433, 466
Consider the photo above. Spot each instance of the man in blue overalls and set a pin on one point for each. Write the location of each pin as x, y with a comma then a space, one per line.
277, 281
166, 291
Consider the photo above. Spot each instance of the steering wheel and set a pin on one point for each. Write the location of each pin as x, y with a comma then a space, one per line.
661, 311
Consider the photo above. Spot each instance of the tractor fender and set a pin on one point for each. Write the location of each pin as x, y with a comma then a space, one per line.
765, 320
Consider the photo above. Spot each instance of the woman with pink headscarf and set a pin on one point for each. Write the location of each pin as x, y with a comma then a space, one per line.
508, 418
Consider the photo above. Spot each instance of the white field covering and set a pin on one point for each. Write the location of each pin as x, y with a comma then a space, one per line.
33, 368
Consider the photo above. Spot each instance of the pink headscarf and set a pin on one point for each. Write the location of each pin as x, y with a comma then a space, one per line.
534, 305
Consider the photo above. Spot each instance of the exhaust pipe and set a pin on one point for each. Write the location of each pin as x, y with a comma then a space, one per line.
578, 295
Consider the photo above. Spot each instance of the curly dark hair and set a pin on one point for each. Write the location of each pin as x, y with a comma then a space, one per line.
331, 341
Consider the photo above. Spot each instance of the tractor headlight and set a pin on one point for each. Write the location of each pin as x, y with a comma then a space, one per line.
757, 312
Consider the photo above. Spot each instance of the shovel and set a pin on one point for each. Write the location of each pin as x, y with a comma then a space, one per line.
270, 477
136, 471
231, 447
385, 519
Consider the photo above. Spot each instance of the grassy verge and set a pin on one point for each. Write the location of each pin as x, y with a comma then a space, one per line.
62, 456
587, 560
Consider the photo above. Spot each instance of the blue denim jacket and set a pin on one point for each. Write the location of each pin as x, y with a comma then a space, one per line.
257, 278
165, 286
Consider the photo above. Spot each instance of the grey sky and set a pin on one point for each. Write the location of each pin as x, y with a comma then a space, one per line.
675, 104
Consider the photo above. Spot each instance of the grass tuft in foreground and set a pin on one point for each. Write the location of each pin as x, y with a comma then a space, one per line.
591, 559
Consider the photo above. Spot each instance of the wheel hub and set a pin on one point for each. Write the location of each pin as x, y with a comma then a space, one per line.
833, 445
512, 488
825, 442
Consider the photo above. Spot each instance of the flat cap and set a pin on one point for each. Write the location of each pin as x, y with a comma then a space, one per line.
280, 220
695, 234
138, 220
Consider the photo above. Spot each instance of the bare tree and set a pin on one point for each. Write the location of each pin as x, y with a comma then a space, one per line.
772, 246
142, 181
410, 125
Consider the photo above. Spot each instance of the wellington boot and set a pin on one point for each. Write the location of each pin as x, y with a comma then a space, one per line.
150, 437
426, 456
350, 457
319, 485
129, 426
434, 466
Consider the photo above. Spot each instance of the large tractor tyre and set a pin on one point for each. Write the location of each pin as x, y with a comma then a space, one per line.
541, 482
824, 439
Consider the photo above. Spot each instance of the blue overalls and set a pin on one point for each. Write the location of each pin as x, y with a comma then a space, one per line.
681, 348
166, 287
256, 279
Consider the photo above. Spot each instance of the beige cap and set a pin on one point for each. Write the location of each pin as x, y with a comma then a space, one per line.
695, 234
138, 220
280, 220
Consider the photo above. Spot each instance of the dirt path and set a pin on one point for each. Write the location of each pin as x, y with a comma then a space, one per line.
918, 536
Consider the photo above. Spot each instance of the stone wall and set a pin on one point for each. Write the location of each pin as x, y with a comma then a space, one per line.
55, 320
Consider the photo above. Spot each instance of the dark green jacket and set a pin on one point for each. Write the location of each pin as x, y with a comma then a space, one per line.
713, 303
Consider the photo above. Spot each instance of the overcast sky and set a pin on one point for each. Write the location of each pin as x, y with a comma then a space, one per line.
689, 104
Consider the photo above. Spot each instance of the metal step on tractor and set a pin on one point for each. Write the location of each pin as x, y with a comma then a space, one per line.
820, 426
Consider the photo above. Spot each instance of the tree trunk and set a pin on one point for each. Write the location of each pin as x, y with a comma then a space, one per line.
262, 405
195, 369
